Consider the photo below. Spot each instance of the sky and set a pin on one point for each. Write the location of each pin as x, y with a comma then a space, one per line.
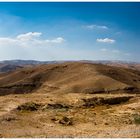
49, 31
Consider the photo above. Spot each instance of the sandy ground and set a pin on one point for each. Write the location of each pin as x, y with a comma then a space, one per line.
100, 121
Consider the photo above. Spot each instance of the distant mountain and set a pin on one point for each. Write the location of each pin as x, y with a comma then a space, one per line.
11, 65
22, 62
116, 63
35, 62
29, 62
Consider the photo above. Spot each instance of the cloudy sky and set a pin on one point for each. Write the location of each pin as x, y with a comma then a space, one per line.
70, 31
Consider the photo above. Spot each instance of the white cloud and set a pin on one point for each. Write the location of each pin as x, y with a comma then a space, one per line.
28, 36
56, 40
105, 40
93, 26
5, 40
29, 39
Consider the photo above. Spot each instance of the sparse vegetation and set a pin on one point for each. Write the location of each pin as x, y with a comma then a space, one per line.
56, 106
77, 100
136, 118
91, 102
63, 120
9, 118
30, 106
93, 90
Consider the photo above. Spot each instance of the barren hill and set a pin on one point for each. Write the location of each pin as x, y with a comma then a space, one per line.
71, 99
9, 67
76, 77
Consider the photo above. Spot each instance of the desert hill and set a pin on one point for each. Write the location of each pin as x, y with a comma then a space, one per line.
76, 77
70, 99
116, 63
9, 67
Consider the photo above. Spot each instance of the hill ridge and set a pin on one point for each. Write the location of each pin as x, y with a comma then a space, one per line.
70, 77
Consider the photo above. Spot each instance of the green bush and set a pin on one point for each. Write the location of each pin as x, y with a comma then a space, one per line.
136, 118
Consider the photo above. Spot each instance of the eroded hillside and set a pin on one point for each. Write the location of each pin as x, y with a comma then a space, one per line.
70, 77
70, 100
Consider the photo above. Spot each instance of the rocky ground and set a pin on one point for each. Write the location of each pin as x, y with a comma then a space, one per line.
70, 115
70, 100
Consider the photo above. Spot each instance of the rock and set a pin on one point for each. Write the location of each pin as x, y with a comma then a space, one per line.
66, 121
63, 120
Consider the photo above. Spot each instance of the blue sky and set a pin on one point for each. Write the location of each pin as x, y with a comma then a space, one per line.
70, 31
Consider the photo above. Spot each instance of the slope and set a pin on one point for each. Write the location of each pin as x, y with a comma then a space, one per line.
76, 77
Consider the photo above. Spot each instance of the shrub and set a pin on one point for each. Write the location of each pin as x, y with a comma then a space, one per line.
63, 120
136, 118
30, 106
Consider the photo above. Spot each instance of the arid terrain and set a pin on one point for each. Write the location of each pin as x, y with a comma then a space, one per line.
70, 99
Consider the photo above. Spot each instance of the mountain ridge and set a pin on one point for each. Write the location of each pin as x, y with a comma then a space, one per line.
11, 65
70, 77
